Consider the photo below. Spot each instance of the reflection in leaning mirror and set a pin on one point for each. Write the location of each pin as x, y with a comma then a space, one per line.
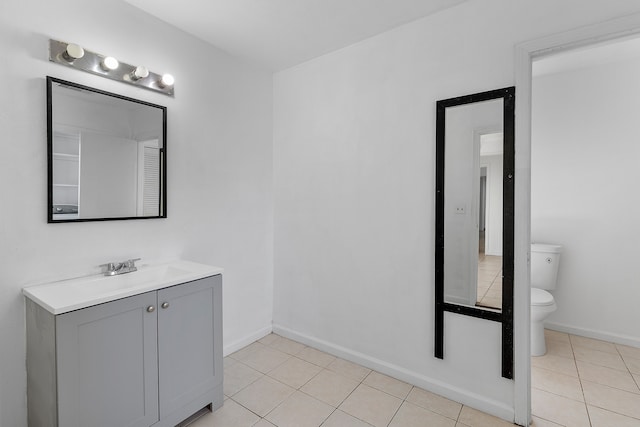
489, 205
474, 213
107, 155
471, 220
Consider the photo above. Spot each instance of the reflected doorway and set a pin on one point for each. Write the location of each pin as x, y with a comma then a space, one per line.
489, 282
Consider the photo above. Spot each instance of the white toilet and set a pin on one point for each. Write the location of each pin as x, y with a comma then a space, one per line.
544, 272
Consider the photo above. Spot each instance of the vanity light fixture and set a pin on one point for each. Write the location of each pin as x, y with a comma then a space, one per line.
109, 64
72, 52
141, 72
167, 80
75, 56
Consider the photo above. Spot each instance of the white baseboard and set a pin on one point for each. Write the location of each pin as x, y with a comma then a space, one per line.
465, 397
241, 343
598, 335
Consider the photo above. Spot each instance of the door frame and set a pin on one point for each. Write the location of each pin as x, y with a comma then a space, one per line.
525, 53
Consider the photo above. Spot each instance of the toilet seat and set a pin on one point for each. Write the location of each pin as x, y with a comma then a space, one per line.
540, 297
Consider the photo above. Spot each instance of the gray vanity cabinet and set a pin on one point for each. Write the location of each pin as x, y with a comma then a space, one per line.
189, 349
107, 361
151, 359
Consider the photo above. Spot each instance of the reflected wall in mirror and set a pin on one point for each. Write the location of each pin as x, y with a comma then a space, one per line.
107, 155
474, 211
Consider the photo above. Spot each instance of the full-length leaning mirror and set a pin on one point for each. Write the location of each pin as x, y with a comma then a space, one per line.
107, 155
474, 212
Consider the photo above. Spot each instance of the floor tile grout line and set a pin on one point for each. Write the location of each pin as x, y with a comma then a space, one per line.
626, 365
350, 393
396, 412
313, 397
551, 421
579, 380
600, 364
279, 405
457, 420
562, 395
559, 395
323, 367
308, 361
586, 407
275, 379
385, 392
612, 388
560, 355
556, 372
235, 401
261, 375
587, 404
329, 416
340, 403
593, 381
637, 381
361, 382
612, 411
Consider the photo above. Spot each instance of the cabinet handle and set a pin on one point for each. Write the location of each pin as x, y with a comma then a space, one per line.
151, 309
165, 305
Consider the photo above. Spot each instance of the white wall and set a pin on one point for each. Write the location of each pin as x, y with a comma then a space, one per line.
584, 195
219, 169
354, 145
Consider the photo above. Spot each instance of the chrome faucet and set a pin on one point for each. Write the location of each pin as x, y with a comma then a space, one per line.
114, 268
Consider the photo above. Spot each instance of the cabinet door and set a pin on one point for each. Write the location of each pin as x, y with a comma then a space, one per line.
189, 352
108, 365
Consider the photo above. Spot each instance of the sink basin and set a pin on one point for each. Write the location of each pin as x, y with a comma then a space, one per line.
73, 294
119, 282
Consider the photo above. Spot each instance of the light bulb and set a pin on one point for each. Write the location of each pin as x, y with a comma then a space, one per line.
109, 63
167, 80
139, 73
73, 52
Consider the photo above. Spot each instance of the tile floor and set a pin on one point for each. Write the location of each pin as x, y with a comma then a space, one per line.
279, 382
489, 281
585, 382
580, 382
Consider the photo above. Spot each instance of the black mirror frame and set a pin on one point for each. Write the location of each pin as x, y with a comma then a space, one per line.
163, 153
506, 315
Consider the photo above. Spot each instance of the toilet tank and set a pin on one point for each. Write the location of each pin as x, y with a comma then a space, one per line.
544, 265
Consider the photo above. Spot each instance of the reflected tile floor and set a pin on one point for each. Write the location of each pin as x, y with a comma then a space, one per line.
489, 281
585, 382
279, 382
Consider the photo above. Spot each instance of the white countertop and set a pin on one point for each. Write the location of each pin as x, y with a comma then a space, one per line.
73, 294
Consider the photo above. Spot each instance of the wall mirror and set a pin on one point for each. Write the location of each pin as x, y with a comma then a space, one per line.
107, 155
474, 212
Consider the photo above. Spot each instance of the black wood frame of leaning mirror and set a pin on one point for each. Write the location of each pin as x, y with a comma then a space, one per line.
161, 128
505, 316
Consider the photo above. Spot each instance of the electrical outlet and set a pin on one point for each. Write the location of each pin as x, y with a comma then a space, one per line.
460, 210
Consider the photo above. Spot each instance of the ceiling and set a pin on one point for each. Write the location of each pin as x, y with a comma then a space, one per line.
278, 34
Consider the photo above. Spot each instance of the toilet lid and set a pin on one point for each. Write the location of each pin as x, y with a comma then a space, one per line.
541, 297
